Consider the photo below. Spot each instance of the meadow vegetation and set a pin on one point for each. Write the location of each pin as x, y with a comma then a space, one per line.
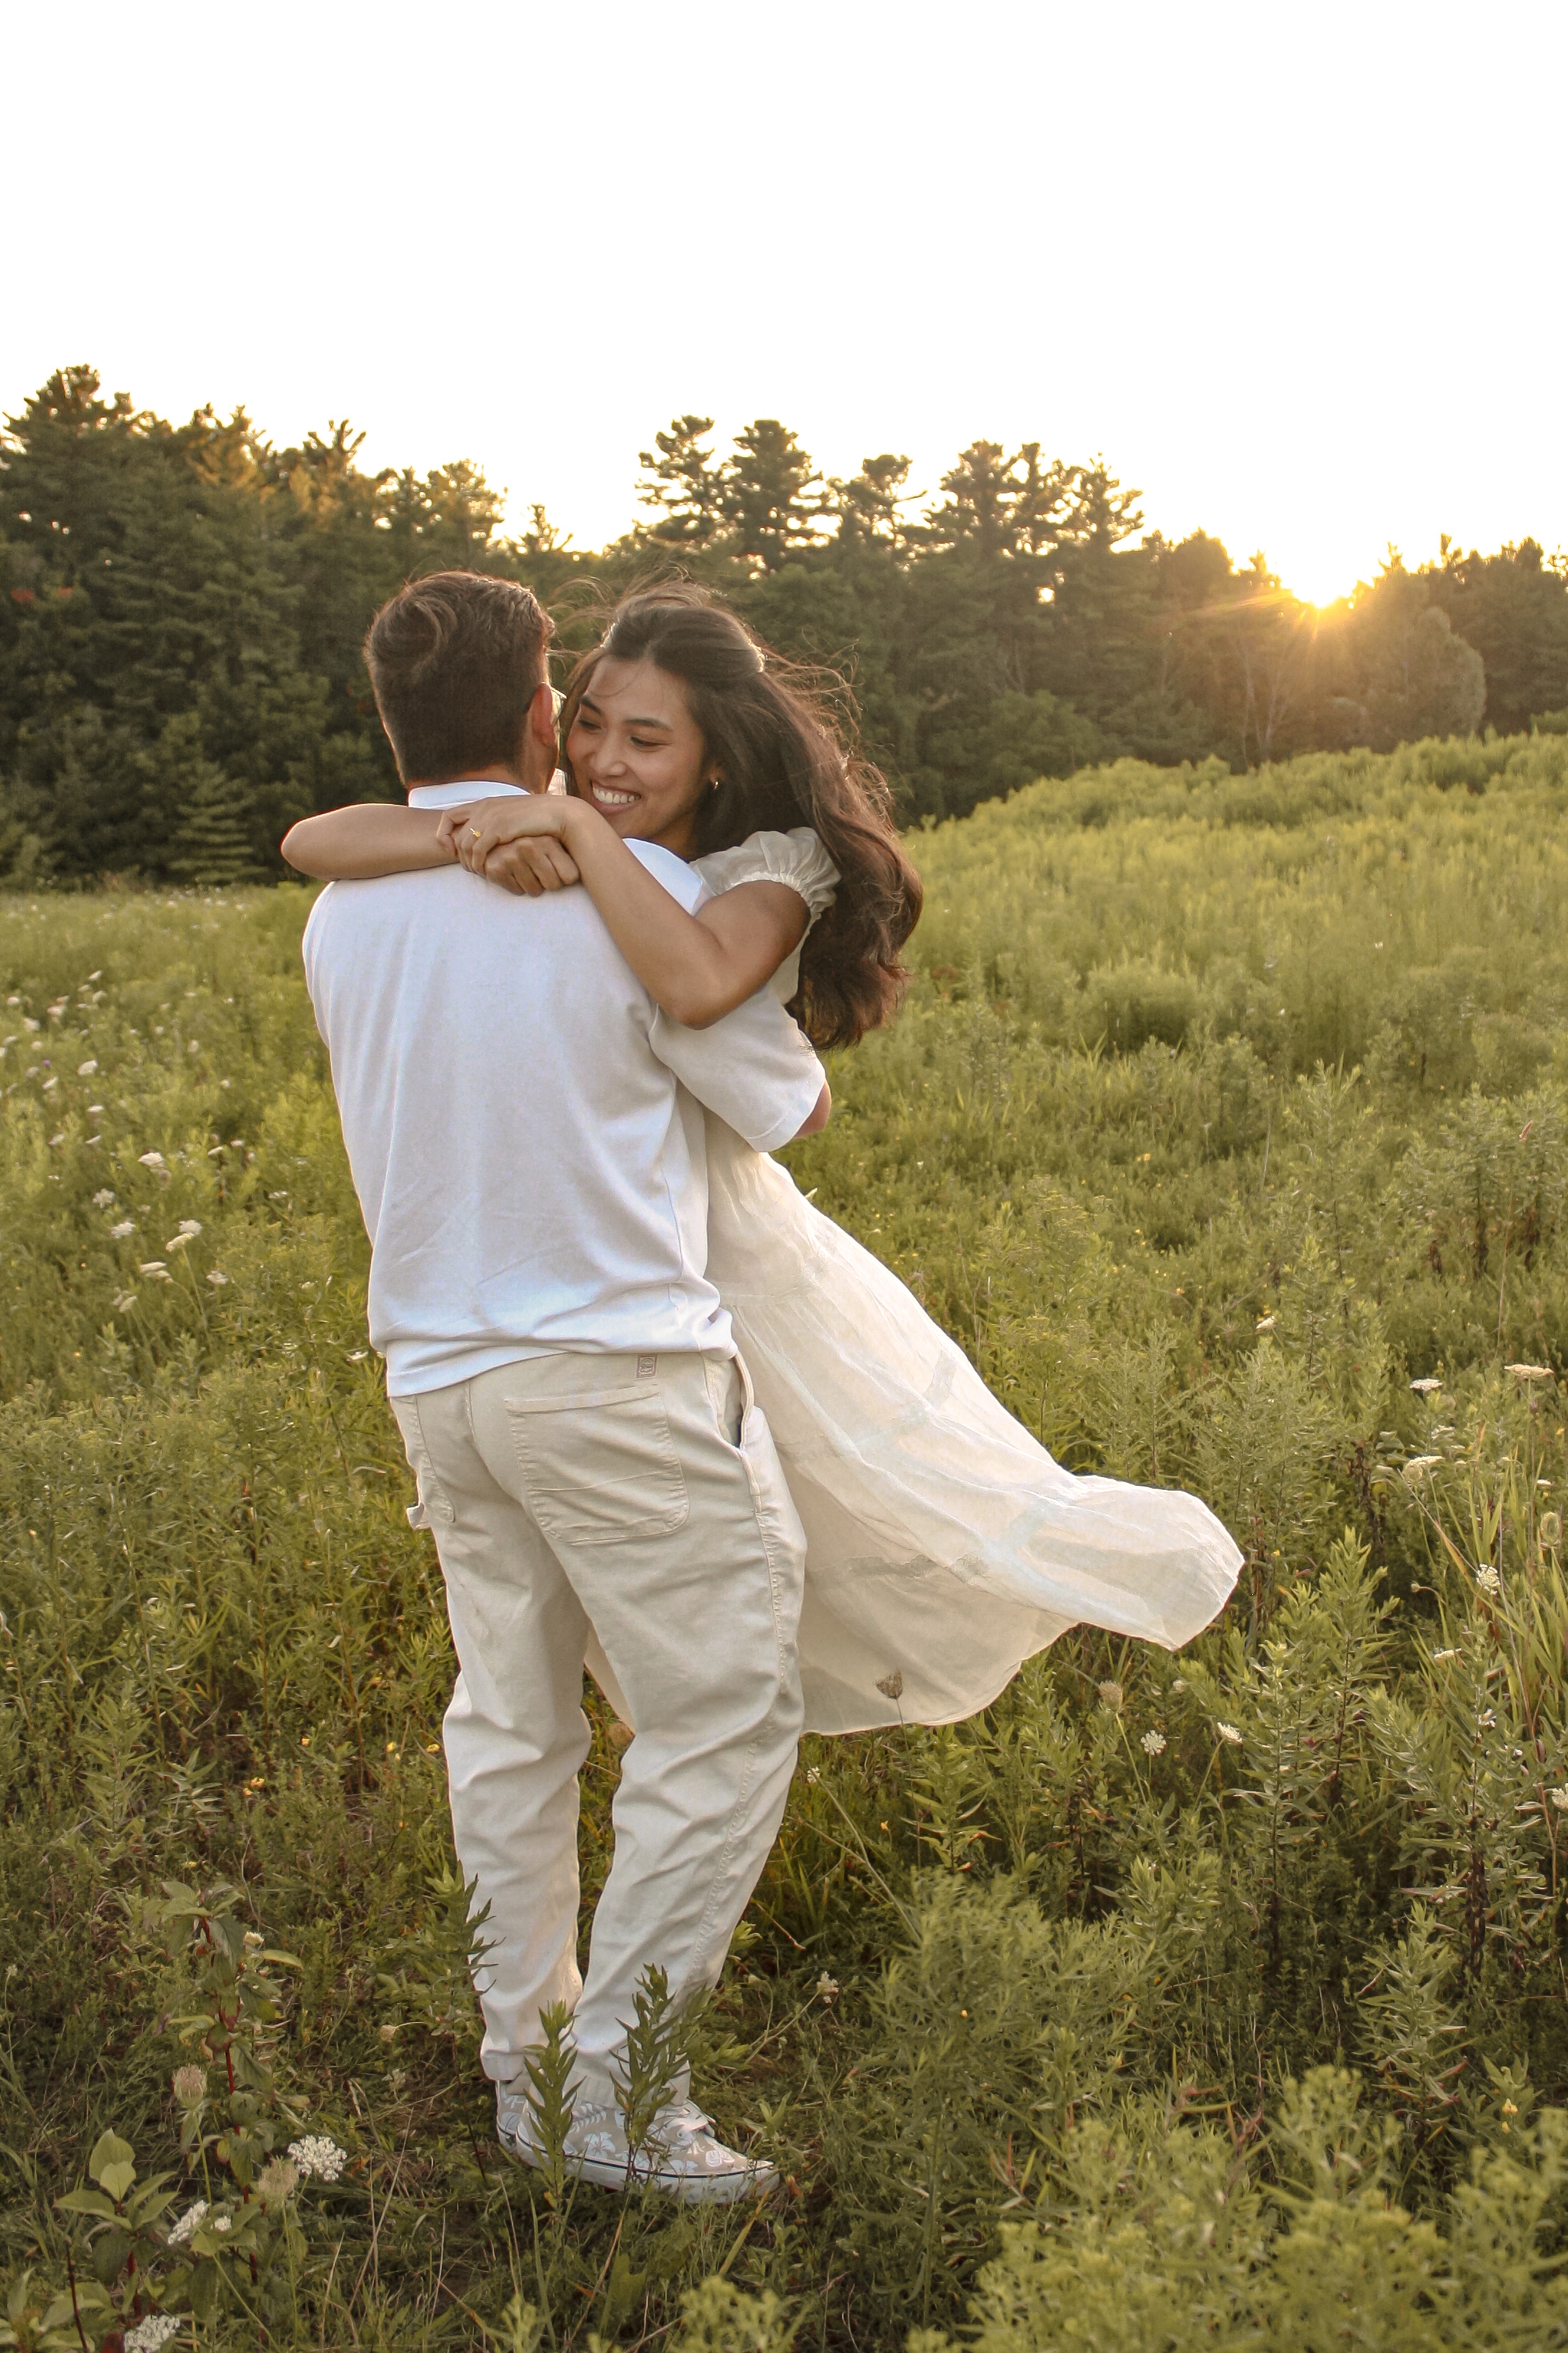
1214, 1999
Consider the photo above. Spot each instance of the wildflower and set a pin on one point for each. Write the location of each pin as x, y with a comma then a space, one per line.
1180, 1684
1228, 1732
126, 1225
1438, 1656
1154, 1743
224, 2222
388, 2034
1550, 1527
56, 1141
179, 1241
814, 1775
1487, 1719
1266, 1323
123, 1300
318, 2158
1488, 1579
85, 1070
1560, 1800
1426, 1388
1416, 1470
191, 2219
156, 1269
149, 2334
357, 1356
1530, 1372
277, 2182
28, 1022
891, 1686
189, 1226
826, 1987
190, 2085
152, 1160
104, 1201
216, 1277
1111, 1696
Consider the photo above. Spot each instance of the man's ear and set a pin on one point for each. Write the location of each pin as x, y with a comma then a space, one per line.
540, 745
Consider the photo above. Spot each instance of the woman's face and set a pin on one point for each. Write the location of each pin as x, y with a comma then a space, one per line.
636, 753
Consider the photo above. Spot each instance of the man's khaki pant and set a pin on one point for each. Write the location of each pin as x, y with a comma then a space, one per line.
637, 1500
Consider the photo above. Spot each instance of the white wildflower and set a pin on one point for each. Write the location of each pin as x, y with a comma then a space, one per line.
85, 1070
1426, 1388
1530, 1372
1180, 1684
189, 1226
826, 1987
126, 1225
56, 1141
155, 1268
276, 2182
1560, 1800
104, 1201
216, 1277
224, 2222
1111, 1696
1267, 1323
1489, 1581
1228, 1732
179, 1241
1417, 1467
28, 1022
1438, 1656
152, 1160
1154, 1742
318, 2158
357, 1356
191, 2219
123, 1300
149, 2335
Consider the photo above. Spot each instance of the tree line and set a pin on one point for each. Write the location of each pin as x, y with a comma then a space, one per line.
182, 608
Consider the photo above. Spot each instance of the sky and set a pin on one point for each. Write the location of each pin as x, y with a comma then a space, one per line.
1296, 271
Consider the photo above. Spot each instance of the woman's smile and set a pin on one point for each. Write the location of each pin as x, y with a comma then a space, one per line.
637, 754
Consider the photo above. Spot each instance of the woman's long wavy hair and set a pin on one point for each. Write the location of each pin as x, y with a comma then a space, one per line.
777, 732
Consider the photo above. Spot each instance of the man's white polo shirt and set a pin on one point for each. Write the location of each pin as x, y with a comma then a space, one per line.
532, 1168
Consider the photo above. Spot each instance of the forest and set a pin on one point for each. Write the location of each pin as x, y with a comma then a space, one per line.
1173, 2003
182, 608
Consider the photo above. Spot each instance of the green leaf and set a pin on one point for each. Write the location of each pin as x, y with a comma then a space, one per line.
89, 2201
111, 2150
117, 2178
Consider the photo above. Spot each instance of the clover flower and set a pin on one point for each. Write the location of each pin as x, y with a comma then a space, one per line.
191, 2219
1153, 1744
190, 2085
891, 1686
1228, 1732
1550, 1527
1111, 1696
318, 2158
277, 2182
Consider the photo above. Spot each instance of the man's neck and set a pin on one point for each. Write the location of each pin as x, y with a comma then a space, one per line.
501, 773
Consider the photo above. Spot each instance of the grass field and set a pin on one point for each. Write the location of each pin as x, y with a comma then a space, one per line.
1213, 2000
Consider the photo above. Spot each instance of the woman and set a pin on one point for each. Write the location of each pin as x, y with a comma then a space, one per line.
944, 1544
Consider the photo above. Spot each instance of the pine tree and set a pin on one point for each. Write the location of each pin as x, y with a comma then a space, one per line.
212, 839
682, 483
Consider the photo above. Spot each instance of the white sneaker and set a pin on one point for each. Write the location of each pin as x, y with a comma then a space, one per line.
681, 2155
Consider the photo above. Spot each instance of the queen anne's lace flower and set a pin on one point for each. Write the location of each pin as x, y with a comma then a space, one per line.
318, 2158
1416, 1470
1488, 1579
191, 2219
1154, 1743
1560, 1800
103, 1200
1425, 1387
149, 2334
1228, 1732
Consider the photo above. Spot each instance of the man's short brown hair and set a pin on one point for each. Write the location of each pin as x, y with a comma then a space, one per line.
455, 661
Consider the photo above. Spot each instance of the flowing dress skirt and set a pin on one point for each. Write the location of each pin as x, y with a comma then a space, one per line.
944, 1545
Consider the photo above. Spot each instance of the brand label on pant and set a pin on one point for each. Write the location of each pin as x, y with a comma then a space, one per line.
647, 1368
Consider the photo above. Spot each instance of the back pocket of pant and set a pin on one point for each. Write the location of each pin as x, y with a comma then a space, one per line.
600, 1469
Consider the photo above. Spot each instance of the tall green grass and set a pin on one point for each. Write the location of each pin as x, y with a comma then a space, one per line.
1208, 2000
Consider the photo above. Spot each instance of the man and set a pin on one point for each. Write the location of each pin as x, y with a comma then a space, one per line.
530, 1159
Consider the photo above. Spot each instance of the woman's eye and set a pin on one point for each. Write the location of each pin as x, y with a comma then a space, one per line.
643, 743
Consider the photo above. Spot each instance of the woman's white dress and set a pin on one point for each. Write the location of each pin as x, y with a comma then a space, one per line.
944, 1545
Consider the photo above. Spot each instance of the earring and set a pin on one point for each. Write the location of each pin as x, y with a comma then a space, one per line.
717, 782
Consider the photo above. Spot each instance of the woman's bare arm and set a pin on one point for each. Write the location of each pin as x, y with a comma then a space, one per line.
366, 839
695, 967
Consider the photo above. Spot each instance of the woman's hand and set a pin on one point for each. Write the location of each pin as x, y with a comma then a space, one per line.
516, 840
